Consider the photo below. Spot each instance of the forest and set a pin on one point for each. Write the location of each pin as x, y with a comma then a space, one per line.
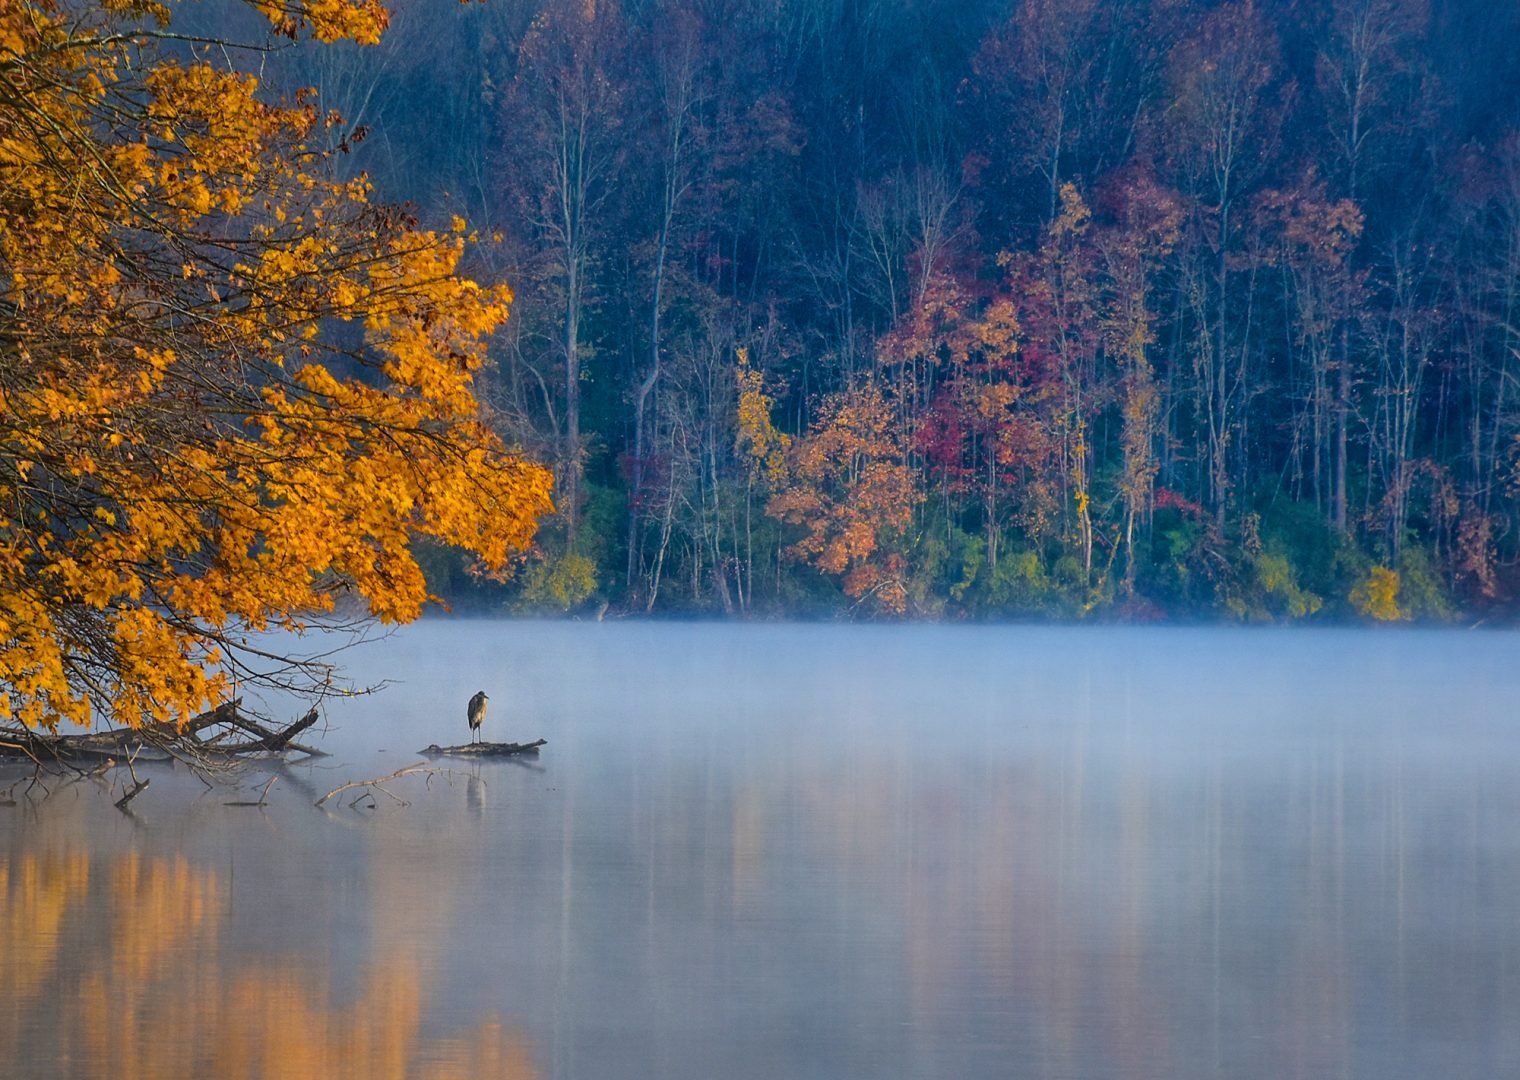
973, 308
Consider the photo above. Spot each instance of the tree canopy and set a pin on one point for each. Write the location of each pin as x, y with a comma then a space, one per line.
1156, 308
235, 392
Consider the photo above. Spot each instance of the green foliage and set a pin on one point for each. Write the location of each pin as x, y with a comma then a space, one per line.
454, 577
442, 568
1300, 533
1350, 567
933, 581
1268, 569
558, 580
1278, 581
1422, 592
1020, 584
952, 576
1068, 574
557, 583
600, 535
1264, 587
1175, 577
971, 563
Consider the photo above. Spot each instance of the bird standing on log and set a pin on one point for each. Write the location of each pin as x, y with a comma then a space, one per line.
476, 713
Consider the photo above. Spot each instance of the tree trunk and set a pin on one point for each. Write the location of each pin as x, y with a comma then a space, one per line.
1342, 409
570, 505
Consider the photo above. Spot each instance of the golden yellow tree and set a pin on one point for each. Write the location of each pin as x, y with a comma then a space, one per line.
1377, 595
232, 391
757, 442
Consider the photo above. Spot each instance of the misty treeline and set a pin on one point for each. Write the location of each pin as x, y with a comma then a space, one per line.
980, 309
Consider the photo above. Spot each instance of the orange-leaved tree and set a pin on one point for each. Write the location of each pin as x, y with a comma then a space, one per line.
232, 390
847, 484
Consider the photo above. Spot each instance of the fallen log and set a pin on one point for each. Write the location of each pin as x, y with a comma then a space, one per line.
200, 741
68, 748
272, 741
485, 749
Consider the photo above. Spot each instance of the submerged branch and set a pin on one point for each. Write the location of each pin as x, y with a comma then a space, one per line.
378, 784
263, 799
137, 784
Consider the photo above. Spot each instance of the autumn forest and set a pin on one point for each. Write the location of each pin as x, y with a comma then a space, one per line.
792, 416
1049, 308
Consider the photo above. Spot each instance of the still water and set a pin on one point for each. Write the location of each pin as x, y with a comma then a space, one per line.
811, 851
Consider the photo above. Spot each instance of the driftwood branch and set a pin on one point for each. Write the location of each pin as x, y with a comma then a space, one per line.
137, 786
485, 749
121, 803
20, 749
378, 784
273, 742
202, 742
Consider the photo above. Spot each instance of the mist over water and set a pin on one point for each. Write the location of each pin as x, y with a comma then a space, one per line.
814, 851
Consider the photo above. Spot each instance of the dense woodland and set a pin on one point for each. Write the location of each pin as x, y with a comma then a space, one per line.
967, 308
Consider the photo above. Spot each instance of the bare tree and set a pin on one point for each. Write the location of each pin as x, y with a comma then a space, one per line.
560, 128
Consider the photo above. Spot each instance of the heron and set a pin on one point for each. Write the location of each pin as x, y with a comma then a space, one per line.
476, 713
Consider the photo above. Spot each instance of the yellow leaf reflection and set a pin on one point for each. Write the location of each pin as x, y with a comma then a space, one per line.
132, 972
491, 1051
35, 896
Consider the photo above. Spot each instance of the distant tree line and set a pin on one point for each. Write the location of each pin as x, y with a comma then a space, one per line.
982, 309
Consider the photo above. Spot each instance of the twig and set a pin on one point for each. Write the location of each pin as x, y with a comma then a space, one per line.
35, 781
263, 793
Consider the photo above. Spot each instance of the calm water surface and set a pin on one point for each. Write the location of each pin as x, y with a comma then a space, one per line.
820, 851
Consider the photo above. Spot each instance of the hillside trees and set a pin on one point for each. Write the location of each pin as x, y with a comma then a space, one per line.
562, 114
1220, 131
853, 497
1174, 306
235, 392
1145, 227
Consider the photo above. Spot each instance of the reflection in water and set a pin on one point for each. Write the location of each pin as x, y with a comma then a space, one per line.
122, 969
822, 852
37, 894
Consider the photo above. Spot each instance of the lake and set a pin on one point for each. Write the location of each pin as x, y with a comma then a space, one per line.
810, 851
